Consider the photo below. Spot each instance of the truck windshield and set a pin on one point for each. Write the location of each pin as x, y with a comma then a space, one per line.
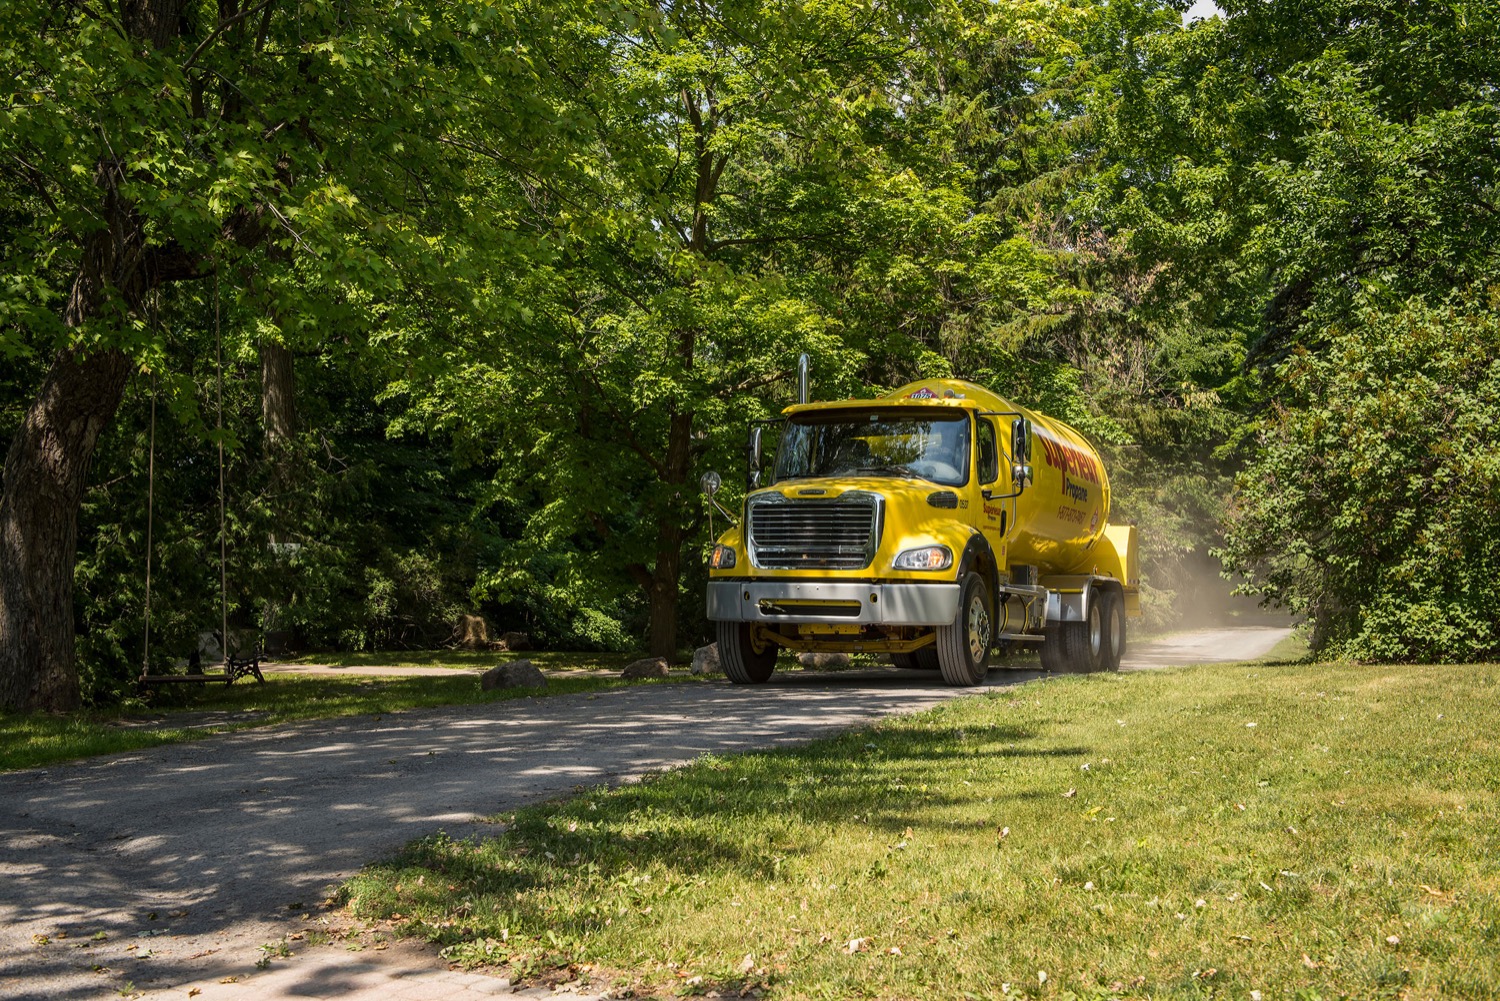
928, 446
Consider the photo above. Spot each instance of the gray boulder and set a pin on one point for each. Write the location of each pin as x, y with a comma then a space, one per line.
649, 667
516, 674
706, 660
824, 661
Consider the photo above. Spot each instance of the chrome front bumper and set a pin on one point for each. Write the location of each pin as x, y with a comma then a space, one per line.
846, 603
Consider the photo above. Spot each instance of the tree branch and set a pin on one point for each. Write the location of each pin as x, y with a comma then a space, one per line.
223, 26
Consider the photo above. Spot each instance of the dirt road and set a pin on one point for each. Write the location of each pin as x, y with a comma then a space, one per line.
177, 864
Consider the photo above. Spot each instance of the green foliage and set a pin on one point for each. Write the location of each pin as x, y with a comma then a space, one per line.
1371, 505
539, 264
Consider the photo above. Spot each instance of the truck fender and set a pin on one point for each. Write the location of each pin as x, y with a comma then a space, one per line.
978, 553
1069, 596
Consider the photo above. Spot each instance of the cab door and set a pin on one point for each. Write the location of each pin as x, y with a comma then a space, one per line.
989, 513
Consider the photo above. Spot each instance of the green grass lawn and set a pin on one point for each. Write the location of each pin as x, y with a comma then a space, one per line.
1301, 831
27, 741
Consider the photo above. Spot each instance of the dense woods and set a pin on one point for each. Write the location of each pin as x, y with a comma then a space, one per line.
471, 294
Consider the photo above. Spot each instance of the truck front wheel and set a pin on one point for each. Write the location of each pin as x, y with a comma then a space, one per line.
963, 647
742, 663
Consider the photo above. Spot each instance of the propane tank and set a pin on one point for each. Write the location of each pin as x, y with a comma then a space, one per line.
1060, 516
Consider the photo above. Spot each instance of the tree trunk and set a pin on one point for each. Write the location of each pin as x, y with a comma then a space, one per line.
278, 395
671, 532
46, 472
663, 597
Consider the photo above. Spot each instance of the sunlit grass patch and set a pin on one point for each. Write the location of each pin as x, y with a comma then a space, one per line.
1308, 831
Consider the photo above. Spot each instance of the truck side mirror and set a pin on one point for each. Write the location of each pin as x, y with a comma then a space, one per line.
1020, 440
710, 483
752, 455
1020, 453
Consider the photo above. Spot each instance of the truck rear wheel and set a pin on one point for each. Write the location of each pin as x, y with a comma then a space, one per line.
1114, 629
1052, 658
963, 647
921, 659
742, 664
1082, 645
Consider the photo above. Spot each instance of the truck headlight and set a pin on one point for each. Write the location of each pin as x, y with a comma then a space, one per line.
722, 558
926, 558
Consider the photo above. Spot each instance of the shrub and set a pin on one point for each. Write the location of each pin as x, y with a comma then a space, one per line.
1372, 506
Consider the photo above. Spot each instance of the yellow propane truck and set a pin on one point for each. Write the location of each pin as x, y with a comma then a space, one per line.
932, 524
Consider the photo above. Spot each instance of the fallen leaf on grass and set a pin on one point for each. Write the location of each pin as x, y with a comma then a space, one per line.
1309, 962
857, 945
1434, 892
1070, 794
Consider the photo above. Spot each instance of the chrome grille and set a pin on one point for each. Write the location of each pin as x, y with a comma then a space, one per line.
832, 534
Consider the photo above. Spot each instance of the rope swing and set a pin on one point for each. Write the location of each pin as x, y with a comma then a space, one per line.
223, 543
233, 667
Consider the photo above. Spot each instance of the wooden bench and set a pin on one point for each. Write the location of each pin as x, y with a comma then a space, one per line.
235, 668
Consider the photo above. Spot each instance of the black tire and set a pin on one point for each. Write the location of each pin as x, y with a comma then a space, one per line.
963, 646
921, 659
742, 664
1052, 658
1082, 644
1113, 611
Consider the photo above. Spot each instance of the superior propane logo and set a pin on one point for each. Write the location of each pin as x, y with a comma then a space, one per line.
1075, 463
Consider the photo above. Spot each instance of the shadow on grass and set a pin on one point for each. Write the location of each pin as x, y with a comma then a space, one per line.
560, 871
37, 739
469, 659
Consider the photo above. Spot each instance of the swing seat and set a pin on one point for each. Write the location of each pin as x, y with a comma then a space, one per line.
235, 668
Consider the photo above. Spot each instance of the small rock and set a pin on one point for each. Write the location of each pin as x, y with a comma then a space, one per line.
513, 641
516, 674
823, 660
649, 667
706, 660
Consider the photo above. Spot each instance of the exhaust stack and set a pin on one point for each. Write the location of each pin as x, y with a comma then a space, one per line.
802, 378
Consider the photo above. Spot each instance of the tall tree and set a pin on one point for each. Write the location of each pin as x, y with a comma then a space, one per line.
763, 178
162, 141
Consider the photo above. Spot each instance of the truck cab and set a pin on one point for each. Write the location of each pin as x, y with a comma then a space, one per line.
932, 524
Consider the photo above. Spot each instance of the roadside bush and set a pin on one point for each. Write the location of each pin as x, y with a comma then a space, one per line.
1372, 506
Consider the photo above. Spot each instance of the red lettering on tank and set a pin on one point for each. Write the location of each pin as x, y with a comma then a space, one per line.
1070, 459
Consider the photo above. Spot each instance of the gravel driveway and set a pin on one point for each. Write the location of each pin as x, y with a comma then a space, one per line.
176, 864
